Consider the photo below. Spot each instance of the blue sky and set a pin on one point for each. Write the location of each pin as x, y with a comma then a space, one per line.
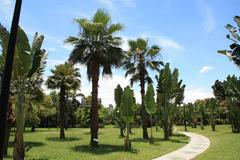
189, 31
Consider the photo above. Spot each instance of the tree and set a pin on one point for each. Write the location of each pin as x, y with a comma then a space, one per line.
117, 118
169, 93
65, 77
127, 112
98, 48
140, 58
150, 106
234, 53
227, 93
213, 108
28, 66
201, 105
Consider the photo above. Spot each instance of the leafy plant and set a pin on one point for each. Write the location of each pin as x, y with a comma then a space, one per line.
127, 112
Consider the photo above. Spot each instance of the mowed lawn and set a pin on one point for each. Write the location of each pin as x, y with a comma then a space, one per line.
44, 144
225, 145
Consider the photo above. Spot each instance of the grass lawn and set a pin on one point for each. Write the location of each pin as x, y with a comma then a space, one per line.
44, 144
224, 144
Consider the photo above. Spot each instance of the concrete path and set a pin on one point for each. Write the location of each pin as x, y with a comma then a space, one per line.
196, 146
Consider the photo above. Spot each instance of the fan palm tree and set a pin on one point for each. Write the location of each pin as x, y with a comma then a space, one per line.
98, 48
65, 77
140, 58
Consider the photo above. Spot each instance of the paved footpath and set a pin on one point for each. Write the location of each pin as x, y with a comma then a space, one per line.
196, 146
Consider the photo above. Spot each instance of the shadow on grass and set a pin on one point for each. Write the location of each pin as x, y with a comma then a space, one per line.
102, 149
39, 159
67, 139
161, 140
29, 145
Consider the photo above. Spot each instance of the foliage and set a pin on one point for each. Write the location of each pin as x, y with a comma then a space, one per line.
127, 112
169, 93
150, 105
234, 53
227, 92
118, 91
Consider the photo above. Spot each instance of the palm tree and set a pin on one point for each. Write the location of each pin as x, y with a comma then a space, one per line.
140, 58
65, 77
98, 48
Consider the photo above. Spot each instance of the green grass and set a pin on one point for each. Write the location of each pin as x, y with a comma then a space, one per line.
224, 144
45, 145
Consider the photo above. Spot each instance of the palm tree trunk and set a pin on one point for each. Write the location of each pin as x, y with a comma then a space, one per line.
19, 148
94, 108
62, 113
6, 138
143, 111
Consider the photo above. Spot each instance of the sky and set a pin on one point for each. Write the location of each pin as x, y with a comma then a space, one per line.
189, 32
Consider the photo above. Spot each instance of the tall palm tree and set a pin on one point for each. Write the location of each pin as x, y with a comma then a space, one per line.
99, 49
140, 58
65, 77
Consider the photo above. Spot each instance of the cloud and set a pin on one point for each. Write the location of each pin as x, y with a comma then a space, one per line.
106, 88
169, 44
206, 12
113, 4
54, 62
206, 69
67, 47
192, 94
166, 43
6, 8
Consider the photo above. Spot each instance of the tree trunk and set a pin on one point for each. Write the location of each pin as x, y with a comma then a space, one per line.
127, 143
165, 130
202, 126
6, 138
62, 113
19, 147
144, 115
213, 124
121, 132
94, 108
33, 128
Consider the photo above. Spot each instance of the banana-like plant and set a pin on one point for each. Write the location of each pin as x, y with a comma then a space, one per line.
28, 66
150, 106
234, 53
127, 112
169, 93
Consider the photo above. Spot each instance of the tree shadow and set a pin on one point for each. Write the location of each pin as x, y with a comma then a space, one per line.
160, 139
102, 149
67, 139
39, 159
28, 145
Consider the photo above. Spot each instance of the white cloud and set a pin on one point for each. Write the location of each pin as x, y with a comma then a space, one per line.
206, 69
7, 8
51, 49
206, 12
113, 4
168, 43
106, 88
192, 94
54, 62
67, 47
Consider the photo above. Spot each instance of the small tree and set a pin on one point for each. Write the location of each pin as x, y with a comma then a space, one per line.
117, 118
212, 108
150, 106
127, 112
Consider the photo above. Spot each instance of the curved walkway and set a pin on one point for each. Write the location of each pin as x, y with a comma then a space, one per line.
196, 146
